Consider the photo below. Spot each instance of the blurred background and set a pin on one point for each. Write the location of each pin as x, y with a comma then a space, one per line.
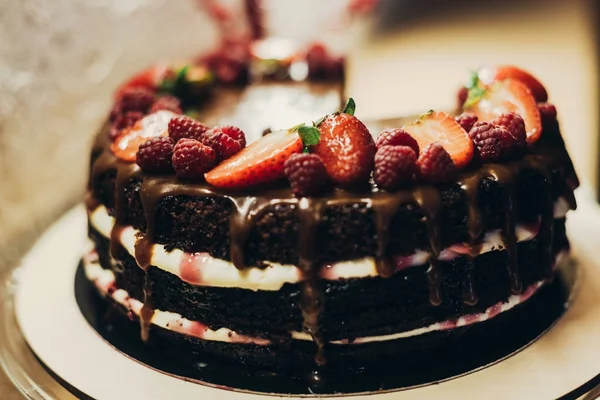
61, 60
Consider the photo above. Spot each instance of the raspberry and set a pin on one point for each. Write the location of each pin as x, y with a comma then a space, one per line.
235, 133
224, 145
466, 120
186, 127
155, 155
169, 103
461, 96
435, 165
515, 125
397, 137
547, 113
136, 99
493, 142
394, 166
123, 121
306, 173
191, 159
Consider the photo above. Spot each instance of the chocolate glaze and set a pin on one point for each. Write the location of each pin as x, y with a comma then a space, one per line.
249, 207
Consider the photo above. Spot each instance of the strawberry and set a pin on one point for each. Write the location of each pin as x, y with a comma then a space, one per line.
127, 144
440, 127
346, 148
505, 97
504, 72
260, 163
149, 78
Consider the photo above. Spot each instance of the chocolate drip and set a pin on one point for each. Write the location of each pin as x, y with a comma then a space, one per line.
385, 209
428, 199
312, 297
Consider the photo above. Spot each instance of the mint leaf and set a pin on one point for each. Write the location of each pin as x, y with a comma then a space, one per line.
296, 127
310, 135
476, 91
350, 107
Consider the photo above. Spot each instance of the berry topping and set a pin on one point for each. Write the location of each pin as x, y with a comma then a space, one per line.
168, 102
135, 99
123, 121
397, 137
346, 148
439, 127
235, 133
466, 120
547, 112
394, 166
435, 165
493, 142
129, 140
191, 159
515, 125
260, 163
461, 96
504, 97
186, 127
306, 174
224, 145
148, 79
504, 72
155, 155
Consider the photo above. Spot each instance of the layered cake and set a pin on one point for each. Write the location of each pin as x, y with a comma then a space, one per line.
328, 244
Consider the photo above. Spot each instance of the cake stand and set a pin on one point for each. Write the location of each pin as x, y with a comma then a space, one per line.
49, 351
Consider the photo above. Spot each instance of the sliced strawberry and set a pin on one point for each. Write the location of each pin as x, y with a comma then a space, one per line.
260, 163
149, 78
129, 140
346, 148
504, 72
440, 127
509, 96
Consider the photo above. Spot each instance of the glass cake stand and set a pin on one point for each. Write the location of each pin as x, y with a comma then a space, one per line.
48, 350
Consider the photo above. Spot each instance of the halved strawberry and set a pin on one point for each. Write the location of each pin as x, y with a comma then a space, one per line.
149, 78
504, 72
260, 163
129, 140
440, 127
508, 96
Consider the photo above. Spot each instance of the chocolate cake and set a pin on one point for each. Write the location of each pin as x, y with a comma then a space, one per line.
276, 251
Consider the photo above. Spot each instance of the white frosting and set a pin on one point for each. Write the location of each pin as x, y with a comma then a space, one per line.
201, 269
104, 280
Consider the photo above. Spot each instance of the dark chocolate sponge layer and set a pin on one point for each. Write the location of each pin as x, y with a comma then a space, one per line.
353, 308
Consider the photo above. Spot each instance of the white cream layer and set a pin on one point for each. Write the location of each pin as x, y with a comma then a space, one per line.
104, 280
201, 269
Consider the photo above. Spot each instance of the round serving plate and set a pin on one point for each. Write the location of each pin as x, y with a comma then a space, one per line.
50, 351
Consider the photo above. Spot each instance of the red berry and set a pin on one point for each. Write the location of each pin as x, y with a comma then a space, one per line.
235, 133
397, 137
191, 159
170, 103
186, 127
155, 155
547, 113
435, 165
306, 174
466, 120
135, 99
515, 125
462, 95
124, 121
493, 142
394, 166
224, 146
504, 72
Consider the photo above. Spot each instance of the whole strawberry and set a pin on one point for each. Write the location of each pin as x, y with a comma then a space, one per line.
515, 125
191, 159
346, 148
435, 165
397, 137
493, 142
394, 166
155, 155
186, 127
306, 174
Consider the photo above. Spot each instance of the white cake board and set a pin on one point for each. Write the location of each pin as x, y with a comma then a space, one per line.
562, 360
